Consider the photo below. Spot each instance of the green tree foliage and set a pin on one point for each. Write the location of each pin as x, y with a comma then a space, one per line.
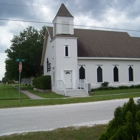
126, 123
27, 45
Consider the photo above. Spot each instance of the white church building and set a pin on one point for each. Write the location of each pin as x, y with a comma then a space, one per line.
77, 58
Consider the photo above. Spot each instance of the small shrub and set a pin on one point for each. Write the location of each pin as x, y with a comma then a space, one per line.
10, 81
133, 86
113, 88
105, 84
43, 82
137, 86
123, 87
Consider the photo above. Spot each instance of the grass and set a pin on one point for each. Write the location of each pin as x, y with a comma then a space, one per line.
69, 133
41, 94
47, 94
9, 97
117, 91
25, 103
7, 92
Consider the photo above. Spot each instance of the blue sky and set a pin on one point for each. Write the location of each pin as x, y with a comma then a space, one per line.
96, 13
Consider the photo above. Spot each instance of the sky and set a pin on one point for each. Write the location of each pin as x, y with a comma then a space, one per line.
123, 15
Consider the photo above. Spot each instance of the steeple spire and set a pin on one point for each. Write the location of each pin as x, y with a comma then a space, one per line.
63, 12
63, 22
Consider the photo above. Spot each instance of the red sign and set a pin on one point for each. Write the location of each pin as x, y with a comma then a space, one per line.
20, 67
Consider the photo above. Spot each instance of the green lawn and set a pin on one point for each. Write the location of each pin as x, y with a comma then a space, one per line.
9, 97
53, 101
117, 91
41, 94
7, 92
70, 133
47, 94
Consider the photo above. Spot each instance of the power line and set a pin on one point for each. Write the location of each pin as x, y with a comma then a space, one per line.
71, 25
22, 5
24, 20
119, 13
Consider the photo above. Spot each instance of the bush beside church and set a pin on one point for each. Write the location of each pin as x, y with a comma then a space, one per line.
43, 82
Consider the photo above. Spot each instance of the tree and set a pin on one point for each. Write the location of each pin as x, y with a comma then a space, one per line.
27, 45
126, 123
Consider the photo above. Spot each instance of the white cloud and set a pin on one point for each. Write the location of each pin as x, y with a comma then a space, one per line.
7, 32
2, 65
4, 38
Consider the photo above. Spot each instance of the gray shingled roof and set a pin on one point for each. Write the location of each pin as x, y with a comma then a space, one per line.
63, 12
96, 43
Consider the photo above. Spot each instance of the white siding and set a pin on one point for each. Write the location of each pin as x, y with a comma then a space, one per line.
108, 65
69, 62
60, 25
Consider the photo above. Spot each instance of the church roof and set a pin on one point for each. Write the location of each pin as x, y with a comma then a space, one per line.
97, 43
63, 12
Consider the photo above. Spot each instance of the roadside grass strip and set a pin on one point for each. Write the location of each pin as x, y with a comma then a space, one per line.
54, 101
69, 133
9, 97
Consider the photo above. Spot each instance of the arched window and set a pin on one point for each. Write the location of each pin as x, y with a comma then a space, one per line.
99, 74
130, 71
116, 74
81, 73
66, 51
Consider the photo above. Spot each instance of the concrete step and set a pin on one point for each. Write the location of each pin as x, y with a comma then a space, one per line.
76, 93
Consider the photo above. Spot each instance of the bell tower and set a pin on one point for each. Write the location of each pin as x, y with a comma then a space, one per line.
63, 22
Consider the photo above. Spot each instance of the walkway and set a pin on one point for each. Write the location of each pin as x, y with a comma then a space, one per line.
31, 95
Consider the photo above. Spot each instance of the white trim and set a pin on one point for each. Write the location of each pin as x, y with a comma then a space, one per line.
53, 78
52, 52
108, 58
65, 27
63, 37
73, 76
64, 72
63, 18
117, 65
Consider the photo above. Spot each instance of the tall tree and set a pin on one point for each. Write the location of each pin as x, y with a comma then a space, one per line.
27, 45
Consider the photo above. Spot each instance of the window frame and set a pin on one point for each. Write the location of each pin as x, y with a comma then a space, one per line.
101, 66
67, 50
84, 71
129, 77
117, 73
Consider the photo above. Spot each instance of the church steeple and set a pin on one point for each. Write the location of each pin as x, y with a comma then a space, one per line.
63, 12
63, 21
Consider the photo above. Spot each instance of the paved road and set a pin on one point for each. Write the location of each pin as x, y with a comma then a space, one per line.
17, 120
